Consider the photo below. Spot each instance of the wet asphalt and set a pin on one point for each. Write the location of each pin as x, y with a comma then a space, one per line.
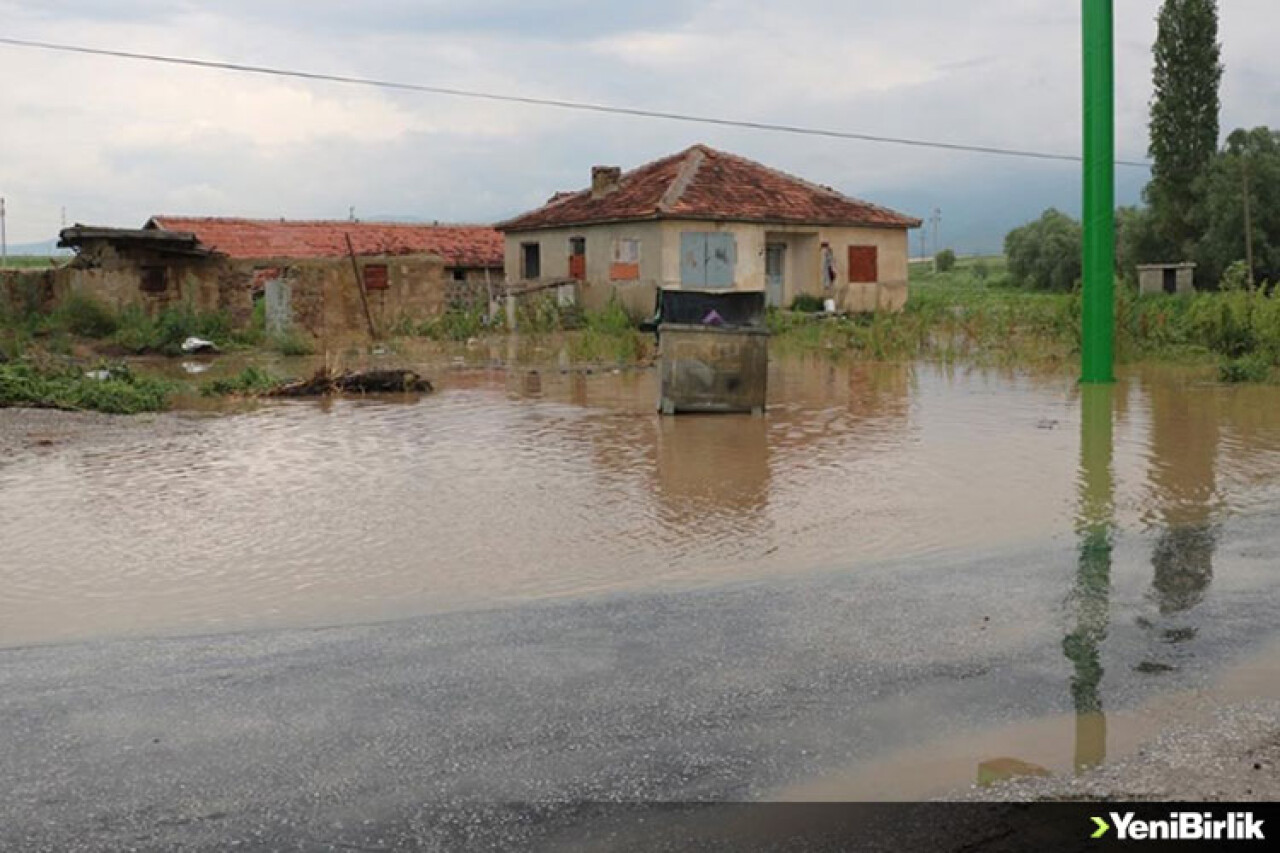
516, 728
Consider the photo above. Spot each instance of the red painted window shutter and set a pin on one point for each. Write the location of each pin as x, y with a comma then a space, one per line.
864, 264
375, 277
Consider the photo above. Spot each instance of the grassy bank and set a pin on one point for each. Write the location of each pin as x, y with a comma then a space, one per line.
973, 313
114, 390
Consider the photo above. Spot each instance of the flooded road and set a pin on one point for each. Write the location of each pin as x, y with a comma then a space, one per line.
508, 486
901, 581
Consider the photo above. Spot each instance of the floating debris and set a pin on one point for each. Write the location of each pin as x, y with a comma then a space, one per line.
194, 345
326, 382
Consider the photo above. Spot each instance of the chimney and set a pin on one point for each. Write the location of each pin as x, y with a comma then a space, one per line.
604, 180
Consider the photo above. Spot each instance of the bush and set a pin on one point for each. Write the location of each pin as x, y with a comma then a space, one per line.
1249, 368
138, 333
119, 391
806, 303
945, 261
247, 383
291, 342
87, 317
453, 325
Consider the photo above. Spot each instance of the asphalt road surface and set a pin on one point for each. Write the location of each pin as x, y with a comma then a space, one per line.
515, 728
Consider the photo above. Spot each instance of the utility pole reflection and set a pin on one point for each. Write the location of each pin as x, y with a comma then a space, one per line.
1095, 527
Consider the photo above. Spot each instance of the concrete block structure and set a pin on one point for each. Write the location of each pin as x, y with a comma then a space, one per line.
1167, 278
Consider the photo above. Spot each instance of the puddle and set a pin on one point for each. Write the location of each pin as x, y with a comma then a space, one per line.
1059, 744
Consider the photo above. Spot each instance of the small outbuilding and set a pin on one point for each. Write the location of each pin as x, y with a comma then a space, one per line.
704, 219
1167, 278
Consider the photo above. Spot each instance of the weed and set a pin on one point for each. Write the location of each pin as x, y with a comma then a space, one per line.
247, 383
115, 390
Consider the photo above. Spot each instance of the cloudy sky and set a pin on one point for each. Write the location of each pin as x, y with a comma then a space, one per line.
114, 141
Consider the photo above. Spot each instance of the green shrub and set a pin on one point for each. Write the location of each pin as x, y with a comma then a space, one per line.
121, 392
1249, 368
247, 383
86, 317
945, 261
291, 342
138, 333
807, 303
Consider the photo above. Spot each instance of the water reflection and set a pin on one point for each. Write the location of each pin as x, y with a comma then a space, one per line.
1184, 445
1091, 596
515, 484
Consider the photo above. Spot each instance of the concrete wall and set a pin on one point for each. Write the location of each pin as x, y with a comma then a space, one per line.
638, 297
324, 296
660, 261
27, 291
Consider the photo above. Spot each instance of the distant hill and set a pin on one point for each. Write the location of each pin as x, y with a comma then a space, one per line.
44, 249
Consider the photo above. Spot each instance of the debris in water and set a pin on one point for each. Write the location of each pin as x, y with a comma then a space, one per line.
326, 382
194, 345
194, 366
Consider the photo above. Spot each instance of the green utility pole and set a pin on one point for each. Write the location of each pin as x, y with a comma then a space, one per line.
1099, 193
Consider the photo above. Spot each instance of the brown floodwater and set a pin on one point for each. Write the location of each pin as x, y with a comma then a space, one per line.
510, 485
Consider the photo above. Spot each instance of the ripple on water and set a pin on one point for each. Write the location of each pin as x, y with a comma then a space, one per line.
495, 489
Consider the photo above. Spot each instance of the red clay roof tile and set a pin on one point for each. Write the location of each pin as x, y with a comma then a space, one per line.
460, 245
703, 183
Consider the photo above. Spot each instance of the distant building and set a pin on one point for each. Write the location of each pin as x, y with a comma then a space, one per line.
303, 269
1167, 278
706, 219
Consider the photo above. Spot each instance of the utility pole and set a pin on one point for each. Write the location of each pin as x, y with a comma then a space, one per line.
1098, 320
937, 220
1248, 216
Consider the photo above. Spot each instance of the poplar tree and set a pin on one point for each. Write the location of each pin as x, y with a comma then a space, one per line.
1184, 119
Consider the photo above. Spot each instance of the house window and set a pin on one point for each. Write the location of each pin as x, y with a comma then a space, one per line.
626, 260
864, 264
459, 274
155, 279
578, 258
707, 259
530, 261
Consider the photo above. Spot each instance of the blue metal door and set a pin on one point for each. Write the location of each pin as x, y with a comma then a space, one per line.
707, 259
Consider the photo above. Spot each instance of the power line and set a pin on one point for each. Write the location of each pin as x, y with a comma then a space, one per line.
559, 104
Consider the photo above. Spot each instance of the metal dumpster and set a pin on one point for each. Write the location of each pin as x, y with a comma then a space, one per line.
713, 352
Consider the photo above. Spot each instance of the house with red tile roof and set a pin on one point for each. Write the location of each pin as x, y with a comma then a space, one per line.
705, 219
322, 277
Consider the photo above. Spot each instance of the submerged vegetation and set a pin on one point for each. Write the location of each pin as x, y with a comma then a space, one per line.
112, 389
975, 313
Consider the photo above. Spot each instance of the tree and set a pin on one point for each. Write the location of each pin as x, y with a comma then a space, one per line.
944, 261
1045, 254
1136, 240
1249, 158
1184, 119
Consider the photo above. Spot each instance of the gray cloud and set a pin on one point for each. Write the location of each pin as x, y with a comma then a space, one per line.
115, 141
